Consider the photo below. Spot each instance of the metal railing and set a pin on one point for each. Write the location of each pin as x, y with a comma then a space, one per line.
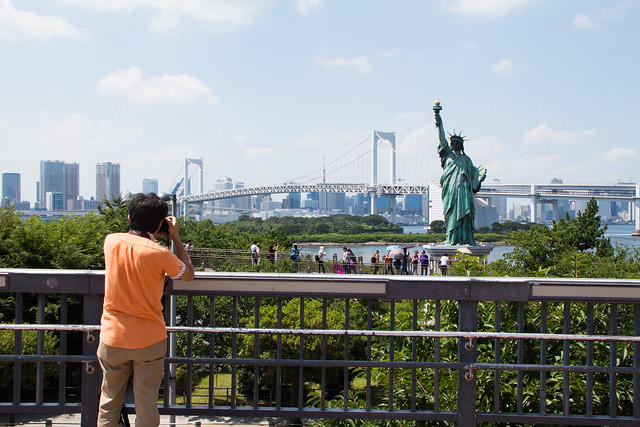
467, 350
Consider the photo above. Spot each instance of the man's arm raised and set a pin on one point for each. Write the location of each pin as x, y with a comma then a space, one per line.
181, 252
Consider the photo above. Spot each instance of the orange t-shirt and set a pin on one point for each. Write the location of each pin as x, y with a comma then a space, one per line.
135, 268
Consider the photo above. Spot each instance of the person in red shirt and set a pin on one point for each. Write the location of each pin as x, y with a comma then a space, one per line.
133, 337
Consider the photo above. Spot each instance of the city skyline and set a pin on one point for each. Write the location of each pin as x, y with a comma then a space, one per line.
263, 90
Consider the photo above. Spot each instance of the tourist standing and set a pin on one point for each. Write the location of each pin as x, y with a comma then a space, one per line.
271, 254
424, 264
375, 261
255, 254
444, 264
388, 263
414, 262
352, 261
404, 263
133, 337
320, 258
345, 260
294, 257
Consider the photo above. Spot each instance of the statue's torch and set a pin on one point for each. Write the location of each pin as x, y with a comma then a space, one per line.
436, 108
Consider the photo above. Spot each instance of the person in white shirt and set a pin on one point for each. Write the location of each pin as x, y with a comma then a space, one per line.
255, 253
444, 265
320, 259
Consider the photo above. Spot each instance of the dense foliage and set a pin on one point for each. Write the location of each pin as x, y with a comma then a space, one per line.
343, 224
569, 248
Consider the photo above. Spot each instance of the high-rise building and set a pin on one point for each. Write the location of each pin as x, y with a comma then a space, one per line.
223, 183
71, 173
436, 207
107, 180
10, 188
295, 200
412, 204
332, 202
51, 179
150, 185
58, 177
54, 200
243, 202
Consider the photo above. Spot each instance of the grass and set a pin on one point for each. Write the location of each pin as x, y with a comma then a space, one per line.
221, 392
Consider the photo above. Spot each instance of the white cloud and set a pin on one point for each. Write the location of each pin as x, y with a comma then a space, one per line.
219, 14
360, 63
21, 24
582, 22
390, 53
305, 6
620, 153
543, 133
484, 8
179, 88
503, 67
469, 45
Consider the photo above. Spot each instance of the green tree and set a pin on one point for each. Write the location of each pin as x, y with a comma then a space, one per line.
570, 248
115, 214
438, 226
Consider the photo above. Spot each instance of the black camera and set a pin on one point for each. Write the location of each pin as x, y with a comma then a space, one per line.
164, 227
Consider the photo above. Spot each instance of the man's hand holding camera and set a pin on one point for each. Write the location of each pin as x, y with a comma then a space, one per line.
180, 251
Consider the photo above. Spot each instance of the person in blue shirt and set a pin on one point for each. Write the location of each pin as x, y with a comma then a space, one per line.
294, 257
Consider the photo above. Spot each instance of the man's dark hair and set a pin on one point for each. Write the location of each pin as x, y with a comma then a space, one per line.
146, 211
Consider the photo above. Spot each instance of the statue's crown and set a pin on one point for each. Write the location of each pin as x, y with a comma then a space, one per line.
456, 136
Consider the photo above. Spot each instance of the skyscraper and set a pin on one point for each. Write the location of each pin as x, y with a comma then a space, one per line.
10, 188
223, 183
51, 179
150, 185
54, 201
71, 184
107, 180
58, 177
243, 202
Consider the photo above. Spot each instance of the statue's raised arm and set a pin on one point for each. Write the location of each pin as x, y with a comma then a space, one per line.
443, 148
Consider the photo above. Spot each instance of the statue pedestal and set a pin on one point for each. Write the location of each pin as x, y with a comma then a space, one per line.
436, 251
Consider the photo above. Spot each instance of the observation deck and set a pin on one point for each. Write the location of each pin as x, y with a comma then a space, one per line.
461, 349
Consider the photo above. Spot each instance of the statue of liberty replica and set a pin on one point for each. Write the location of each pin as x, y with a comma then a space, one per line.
460, 180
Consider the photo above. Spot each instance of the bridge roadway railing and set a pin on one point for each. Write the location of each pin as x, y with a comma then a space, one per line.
458, 349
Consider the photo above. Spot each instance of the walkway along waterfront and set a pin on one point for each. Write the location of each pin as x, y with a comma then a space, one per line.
467, 350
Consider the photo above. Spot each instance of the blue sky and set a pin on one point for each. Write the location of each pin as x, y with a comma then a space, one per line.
263, 90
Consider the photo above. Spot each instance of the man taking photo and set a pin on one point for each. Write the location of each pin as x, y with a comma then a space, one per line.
133, 337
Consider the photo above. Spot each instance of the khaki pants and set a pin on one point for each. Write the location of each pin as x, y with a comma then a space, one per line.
117, 365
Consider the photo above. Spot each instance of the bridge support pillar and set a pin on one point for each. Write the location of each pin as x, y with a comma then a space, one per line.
534, 203
554, 206
393, 209
374, 204
636, 208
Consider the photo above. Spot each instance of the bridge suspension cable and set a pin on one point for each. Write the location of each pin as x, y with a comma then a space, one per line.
317, 173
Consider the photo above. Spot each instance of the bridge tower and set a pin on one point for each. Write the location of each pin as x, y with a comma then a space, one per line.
634, 208
187, 183
389, 137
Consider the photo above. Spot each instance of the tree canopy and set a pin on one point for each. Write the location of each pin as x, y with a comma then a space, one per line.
569, 248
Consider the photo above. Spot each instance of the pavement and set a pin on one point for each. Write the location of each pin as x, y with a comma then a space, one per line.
180, 421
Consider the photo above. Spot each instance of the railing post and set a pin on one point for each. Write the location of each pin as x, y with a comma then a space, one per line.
91, 372
467, 354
